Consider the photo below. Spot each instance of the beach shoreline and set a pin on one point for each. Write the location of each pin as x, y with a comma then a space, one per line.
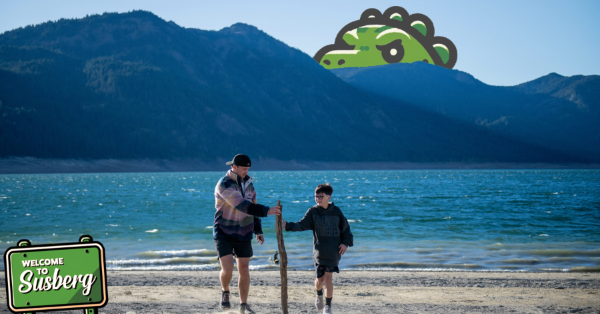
358, 292
30, 165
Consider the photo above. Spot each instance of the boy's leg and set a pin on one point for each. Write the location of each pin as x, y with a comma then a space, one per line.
328, 278
319, 283
319, 286
244, 279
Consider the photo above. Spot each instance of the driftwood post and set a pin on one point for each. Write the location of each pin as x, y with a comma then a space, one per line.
282, 262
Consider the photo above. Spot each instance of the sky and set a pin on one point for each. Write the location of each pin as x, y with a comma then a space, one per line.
499, 42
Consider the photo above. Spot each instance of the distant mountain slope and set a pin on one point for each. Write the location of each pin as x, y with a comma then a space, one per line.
540, 111
135, 86
580, 89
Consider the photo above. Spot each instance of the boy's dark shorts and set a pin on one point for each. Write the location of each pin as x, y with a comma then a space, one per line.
238, 249
322, 269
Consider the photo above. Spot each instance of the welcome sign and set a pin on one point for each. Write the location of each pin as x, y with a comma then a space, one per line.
55, 277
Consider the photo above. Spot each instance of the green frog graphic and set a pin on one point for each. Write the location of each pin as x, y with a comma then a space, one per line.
391, 37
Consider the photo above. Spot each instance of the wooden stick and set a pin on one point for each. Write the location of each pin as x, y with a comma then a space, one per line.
282, 262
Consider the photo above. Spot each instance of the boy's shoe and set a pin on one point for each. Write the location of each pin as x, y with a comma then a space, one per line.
319, 302
327, 309
225, 305
245, 309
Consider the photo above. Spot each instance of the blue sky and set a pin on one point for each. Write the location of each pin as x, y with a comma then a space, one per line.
499, 42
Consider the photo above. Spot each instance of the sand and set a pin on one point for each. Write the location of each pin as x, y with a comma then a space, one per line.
356, 292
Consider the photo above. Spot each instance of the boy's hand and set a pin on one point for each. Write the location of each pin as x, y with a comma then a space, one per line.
275, 210
260, 239
343, 249
283, 223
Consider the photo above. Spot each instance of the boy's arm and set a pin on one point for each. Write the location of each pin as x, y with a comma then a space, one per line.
346, 233
234, 198
306, 223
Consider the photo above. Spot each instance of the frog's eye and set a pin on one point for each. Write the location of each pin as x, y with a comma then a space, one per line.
392, 52
396, 13
446, 50
422, 24
370, 14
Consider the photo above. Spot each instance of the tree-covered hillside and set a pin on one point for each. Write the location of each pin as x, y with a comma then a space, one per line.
135, 86
553, 111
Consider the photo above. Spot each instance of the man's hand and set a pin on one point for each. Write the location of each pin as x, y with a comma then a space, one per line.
260, 239
343, 249
275, 210
283, 223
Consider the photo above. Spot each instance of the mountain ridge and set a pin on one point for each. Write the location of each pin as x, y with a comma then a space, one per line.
542, 116
135, 86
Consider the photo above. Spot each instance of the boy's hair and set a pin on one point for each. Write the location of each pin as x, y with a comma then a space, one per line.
324, 188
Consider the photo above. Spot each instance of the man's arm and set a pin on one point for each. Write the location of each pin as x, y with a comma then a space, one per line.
306, 223
234, 198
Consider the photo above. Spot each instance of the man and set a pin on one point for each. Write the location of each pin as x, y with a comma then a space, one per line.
236, 218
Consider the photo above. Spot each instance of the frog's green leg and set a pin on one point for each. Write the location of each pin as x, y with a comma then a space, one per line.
370, 14
446, 50
422, 24
396, 13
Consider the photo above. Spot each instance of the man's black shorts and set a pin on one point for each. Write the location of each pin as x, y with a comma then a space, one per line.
238, 249
322, 269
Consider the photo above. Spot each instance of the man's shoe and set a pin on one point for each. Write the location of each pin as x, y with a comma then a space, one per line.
327, 309
319, 302
245, 309
225, 305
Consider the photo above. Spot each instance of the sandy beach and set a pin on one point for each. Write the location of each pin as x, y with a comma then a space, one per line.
357, 292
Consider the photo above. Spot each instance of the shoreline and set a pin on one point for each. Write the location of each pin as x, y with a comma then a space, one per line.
357, 292
30, 165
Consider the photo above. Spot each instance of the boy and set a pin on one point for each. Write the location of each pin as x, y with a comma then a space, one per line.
331, 239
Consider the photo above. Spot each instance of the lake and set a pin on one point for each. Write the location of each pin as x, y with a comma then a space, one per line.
457, 220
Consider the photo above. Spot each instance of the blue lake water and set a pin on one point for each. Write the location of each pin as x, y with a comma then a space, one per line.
463, 220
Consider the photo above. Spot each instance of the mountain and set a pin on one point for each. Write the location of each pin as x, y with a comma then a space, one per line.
579, 89
133, 86
557, 112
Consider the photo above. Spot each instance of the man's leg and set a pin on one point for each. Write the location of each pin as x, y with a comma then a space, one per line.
244, 278
226, 271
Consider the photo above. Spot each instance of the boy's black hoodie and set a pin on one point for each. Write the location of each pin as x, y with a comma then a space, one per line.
330, 229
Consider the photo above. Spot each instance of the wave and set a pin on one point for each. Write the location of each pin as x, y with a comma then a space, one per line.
263, 267
425, 251
437, 269
585, 269
415, 265
554, 252
215, 266
172, 260
200, 252
520, 261
366, 249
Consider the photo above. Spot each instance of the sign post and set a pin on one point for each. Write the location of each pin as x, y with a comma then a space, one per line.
282, 261
63, 276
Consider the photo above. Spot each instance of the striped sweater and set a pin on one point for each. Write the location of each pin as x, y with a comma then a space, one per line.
237, 213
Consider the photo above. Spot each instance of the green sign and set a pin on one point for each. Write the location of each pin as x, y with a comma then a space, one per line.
56, 277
